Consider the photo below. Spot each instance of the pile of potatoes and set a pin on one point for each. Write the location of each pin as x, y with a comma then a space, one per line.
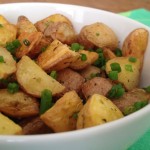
81, 90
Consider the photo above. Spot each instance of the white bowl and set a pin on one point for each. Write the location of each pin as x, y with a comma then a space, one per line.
116, 135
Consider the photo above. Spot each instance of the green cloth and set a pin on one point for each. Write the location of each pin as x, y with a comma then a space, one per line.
143, 16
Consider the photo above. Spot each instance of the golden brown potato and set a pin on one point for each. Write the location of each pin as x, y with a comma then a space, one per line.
24, 25
60, 116
34, 80
98, 34
129, 98
108, 54
97, 110
18, 105
44, 23
8, 127
8, 33
70, 79
7, 67
135, 44
79, 64
90, 72
29, 41
56, 57
97, 85
34, 125
129, 75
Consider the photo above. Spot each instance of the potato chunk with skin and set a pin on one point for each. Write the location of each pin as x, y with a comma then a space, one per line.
34, 80
97, 85
97, 110
56, 57
18, 105
24, 25
7, 67
98, 34
60, 116
79, 64
8, 127
70, 79
135, 44
130, 71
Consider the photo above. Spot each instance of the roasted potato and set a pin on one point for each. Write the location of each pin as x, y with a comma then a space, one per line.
90, 72
129, 98
34, 125
29, 42
8, 127
60, 116
97, 85
98, 34
79, 64
135, 44
66, 76
18, 105
97, 110
129, 74
24, 25
56, 57
7, 67
34, 80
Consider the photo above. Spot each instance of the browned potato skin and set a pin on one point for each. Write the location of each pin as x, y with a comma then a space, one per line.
60, 116
80, 64
88, 71
34, 39
24, 25
34, 125
97, 85
135, 44
129, 98
70, 79
18, 105
98, 34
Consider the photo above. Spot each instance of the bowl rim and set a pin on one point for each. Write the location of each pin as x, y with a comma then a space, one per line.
86, 131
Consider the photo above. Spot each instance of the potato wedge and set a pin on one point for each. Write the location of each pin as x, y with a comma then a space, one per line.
79, 64
135, 44
8, 33
7, 67
18, 105
60, 116
25, 25
8, 127
29, 41
130, 71
98, 110
56, 57
98, 34
34, 80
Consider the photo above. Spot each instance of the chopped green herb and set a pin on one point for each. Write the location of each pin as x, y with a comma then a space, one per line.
128, 67
12, 46
46, 101
132, 59
116, 91
83, 57
13, 87
147, 89
2, 59
113, 75
76, 47
53, 74
97, 34
118, 52
1, 25
26, 42
115, 67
